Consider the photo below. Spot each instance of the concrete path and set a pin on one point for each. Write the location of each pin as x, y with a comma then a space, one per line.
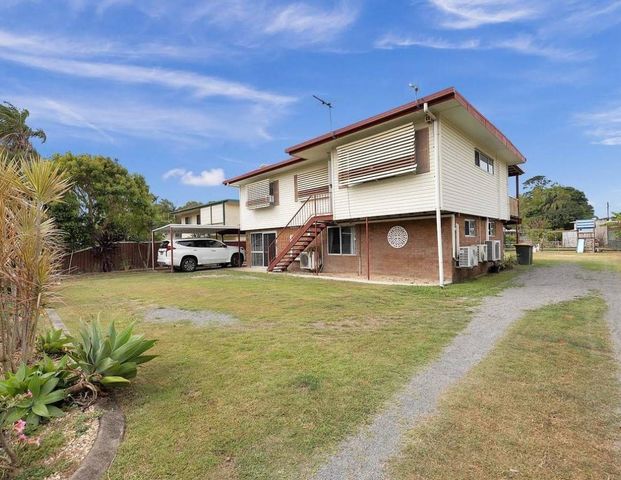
364, 455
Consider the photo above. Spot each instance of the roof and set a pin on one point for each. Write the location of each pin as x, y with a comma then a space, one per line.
435, 98
181, 227
208, 204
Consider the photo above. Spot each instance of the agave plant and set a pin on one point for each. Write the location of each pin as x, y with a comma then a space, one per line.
53, 342
110, 359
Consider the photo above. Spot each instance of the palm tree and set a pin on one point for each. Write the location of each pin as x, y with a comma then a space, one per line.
15, 134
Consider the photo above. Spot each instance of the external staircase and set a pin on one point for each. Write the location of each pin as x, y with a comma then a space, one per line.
310, 220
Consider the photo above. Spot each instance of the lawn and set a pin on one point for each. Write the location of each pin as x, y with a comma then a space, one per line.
610, 261
542, 405
265, 398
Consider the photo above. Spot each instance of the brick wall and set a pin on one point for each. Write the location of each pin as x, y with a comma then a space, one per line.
417, 261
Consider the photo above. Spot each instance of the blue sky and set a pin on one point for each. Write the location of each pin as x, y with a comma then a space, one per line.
190, 92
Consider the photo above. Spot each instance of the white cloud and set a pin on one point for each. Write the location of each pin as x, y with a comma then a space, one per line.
258, 23
462, 14
199, 85
524, 44
316, 23
205, 178
391, 41
604, 127
110, 119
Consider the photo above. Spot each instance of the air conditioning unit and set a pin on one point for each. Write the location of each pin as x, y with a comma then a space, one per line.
307, 260
482, 253
468, 257
497, 250
494, 250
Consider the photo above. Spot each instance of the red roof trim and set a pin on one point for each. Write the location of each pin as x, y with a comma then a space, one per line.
267, 168
435, 98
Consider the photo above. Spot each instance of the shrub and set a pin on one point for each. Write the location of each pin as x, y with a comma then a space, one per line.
108, 359
53, 342
37, 394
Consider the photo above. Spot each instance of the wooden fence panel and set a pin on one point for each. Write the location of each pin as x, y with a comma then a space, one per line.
125, 256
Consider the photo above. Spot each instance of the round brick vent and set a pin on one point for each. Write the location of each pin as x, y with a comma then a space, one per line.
397, 237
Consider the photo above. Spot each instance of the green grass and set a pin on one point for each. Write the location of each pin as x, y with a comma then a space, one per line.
605, 261
542, 405
309, 361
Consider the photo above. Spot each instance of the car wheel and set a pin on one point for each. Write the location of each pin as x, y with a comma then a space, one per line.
188, 264
237, 260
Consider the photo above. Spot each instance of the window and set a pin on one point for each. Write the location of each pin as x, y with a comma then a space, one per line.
214, 244
491, 228
262, 194
470, 227
186, 220
312, 183
198, 219
483, 162
341, 241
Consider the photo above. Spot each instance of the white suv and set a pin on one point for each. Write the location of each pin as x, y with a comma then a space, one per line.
189, 253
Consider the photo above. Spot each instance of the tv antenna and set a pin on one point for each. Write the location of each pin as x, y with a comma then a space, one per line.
414, 87
325, 103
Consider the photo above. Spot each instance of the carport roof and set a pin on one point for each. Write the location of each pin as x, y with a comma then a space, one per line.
184, 228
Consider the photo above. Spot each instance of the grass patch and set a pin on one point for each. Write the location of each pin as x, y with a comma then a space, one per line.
308, 361
543, 405
603, 261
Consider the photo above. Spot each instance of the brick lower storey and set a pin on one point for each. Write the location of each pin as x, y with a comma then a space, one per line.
415, 262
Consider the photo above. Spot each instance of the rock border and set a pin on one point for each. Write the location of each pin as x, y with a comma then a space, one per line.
109, 437
109, 433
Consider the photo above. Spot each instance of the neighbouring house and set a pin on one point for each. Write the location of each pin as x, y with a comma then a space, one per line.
419, 193
219, 219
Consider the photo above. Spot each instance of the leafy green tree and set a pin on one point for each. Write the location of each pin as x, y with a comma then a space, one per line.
15, 134
163, 215
106, 204
190, 204
545, 204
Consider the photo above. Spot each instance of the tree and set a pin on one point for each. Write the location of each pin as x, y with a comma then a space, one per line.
163, 215
15, 134
106, 204
30, 250
553, 206
190, 204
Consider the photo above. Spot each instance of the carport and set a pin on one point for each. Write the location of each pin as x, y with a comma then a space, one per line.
203, 230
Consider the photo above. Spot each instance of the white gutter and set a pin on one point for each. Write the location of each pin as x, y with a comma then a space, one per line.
436, 162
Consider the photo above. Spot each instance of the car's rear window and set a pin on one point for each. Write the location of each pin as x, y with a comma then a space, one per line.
164, 244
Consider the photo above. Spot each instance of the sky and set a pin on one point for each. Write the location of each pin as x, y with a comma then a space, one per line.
188, 93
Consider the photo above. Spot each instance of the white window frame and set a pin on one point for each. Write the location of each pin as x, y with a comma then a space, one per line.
491, 228
470, 232
353, 237
484, 162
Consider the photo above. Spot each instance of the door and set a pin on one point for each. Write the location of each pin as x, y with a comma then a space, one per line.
262, 248
269, 248
218, 251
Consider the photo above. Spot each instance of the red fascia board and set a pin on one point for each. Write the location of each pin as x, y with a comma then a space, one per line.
267, 168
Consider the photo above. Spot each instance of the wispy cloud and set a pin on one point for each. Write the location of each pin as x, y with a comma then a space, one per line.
604, 127
523, 44
462, 14
300, 23
120, 118
206, 178
199, 85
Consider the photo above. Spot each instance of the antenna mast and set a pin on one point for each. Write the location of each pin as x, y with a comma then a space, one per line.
325, 103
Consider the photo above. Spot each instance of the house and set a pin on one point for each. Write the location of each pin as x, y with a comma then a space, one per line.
419, 193
220, 212
212, 214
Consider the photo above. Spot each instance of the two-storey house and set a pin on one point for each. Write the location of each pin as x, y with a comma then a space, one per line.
419, 193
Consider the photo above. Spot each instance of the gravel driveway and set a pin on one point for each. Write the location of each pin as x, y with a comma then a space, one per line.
363, 456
